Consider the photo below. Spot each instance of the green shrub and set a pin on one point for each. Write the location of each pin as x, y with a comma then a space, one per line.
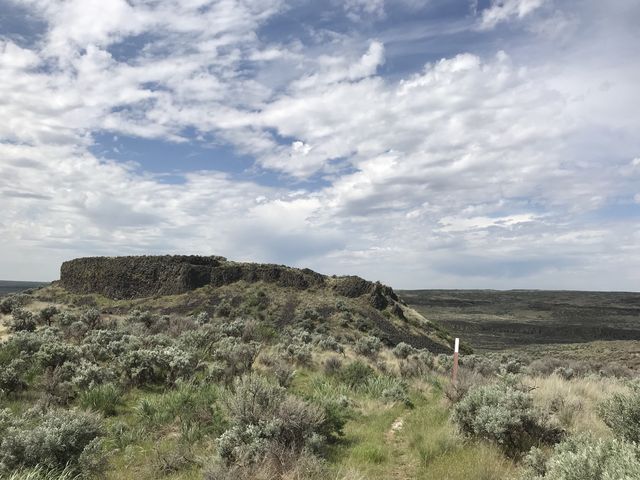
368, 346
157, 365
389, 389
280, 464
264, 417
146, 318
283, 373
235, 356
481, 364
88, 375
27, 343
102, 398
505, 415
332, 365
298, 352
419, 364
12, 302
47, 313
22, 321
12, 377
193, 408
66, 319
327, 342
53, 440
54, 354
91, 318
621, 413
467, 379
356, 374
582, 458
403, 350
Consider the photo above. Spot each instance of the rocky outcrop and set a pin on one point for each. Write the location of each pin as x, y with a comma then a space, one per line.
134, 277
145, 276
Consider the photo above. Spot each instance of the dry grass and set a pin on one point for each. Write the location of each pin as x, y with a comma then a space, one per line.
574, 402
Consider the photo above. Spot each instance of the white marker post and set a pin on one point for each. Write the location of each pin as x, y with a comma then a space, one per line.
456, 348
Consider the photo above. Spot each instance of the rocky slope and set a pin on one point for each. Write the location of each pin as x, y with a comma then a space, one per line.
278, 294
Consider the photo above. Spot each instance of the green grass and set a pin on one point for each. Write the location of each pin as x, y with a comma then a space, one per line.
426, 446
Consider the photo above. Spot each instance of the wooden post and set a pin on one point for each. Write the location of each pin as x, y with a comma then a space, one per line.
455, 360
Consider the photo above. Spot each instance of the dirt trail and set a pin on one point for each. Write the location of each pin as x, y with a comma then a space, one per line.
404, 466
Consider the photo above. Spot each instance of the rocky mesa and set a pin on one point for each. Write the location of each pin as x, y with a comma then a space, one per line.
144, 276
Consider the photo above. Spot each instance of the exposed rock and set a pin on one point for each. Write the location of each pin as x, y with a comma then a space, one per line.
397, 310
144, 276
378, 299
352, 286
132, 277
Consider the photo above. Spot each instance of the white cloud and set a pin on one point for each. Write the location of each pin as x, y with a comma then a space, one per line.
504, 10
471, 160
357, 9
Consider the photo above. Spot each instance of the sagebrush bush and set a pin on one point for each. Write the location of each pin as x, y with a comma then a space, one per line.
91, 318
299, 353
54, 354
7, 305
621, 413
88, 375
22, 321
505, 415
235, 356
582, 458
160, 365
467, 379
481, 364
12, 378
283, 373
47, 313
53, 440
416, 365
403, 350
281, 464
332, 365
264, 417
368, 346
327, 342
19, 343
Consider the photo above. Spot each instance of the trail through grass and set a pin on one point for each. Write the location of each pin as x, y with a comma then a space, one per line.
418, 443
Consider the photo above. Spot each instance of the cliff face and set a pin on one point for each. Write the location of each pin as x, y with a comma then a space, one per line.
145, 276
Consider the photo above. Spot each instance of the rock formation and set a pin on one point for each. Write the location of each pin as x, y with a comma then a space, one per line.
145, 276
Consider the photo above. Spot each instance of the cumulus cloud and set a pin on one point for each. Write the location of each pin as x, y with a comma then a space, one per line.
503, 10
477, 165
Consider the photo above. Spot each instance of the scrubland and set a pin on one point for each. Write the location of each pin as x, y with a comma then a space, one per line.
92, 389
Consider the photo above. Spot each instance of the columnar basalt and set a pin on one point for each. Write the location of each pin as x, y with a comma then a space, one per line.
145, 276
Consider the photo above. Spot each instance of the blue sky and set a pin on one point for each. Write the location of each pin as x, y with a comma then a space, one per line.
424, 143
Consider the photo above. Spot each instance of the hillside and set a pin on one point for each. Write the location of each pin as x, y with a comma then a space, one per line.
201, 368
277, 295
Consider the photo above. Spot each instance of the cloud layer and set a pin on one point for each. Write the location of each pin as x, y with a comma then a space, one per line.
512, 165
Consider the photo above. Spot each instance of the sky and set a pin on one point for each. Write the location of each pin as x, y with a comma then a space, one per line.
422, 143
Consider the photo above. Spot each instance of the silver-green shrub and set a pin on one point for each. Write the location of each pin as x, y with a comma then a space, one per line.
22, 321
264, 417
621, 413
584, 458
52, 440
504, 414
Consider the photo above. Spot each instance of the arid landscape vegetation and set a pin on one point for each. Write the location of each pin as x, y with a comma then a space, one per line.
270, 372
